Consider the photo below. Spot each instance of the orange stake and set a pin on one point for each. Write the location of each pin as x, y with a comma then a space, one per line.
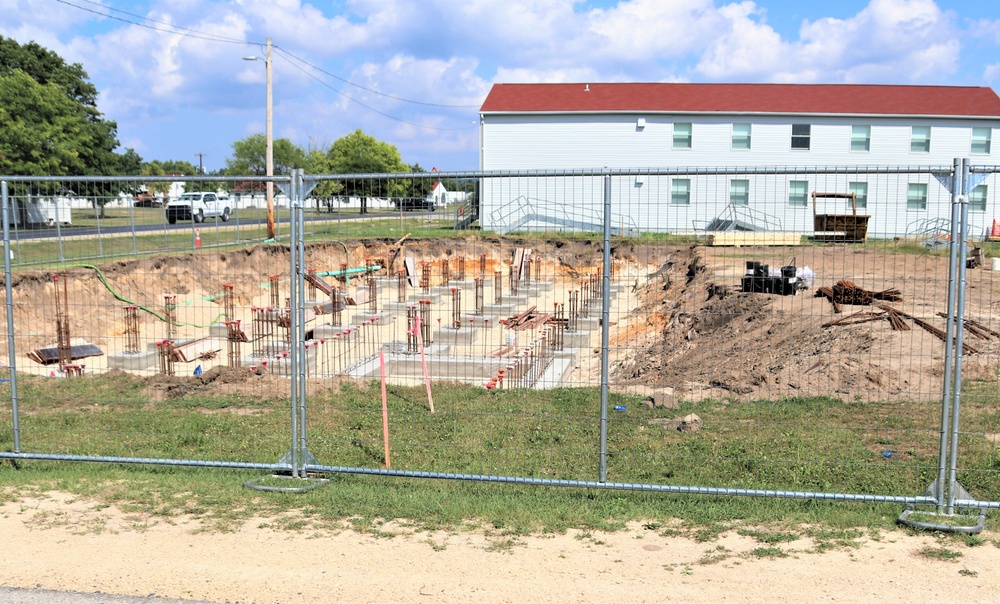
385, 412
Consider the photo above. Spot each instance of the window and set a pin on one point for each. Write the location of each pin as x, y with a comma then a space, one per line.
861, 138
680, 192
920, 139
741, 136
977, 199
981, 140
916, 196
739, 192
860, 190
798, 193
682, 135
800, 136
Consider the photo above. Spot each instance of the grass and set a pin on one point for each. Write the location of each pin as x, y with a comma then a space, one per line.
804, 444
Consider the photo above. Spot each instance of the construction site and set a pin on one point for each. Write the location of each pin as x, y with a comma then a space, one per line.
685, 322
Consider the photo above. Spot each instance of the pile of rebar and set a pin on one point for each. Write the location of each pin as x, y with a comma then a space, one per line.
529, 319
896, 319
846, 292
524, 320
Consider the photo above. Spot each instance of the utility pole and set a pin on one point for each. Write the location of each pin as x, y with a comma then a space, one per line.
201, 163
270, 146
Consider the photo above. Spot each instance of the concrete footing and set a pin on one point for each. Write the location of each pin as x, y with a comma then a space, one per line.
482, 320
380, 318
501, 310
134, 361
576, 339
450, 335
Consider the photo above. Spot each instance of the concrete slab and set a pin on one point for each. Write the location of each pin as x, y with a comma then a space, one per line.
418, 296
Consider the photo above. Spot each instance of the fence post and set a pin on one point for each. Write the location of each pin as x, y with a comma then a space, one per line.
961, 185
11, 348
293, 321
605, 323
300, 193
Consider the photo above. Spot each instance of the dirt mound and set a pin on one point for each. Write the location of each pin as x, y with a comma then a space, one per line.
707, 339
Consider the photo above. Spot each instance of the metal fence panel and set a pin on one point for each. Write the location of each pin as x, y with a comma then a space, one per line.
772, 331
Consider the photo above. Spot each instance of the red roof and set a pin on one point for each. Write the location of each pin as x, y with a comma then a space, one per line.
849, 99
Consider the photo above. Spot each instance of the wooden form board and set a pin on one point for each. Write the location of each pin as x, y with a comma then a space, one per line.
411, 271
747, 238
522, 256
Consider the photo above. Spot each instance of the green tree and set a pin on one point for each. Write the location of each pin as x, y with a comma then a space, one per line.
250, 156
318, 163
50, 119
359, 153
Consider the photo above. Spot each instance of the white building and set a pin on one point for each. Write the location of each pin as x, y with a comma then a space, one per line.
756, 129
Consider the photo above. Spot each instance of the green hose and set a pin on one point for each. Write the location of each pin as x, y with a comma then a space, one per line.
119, 297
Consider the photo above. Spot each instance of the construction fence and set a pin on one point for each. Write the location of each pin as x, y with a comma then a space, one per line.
822, 333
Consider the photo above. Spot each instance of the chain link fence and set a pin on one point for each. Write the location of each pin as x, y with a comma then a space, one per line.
785, 332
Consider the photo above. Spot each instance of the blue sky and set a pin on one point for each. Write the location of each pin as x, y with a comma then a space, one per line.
414, 72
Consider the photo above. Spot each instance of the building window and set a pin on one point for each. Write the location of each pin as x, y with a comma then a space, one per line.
860, 190
798, 193
920, 139
682, 135
680, 192
800, 136
916, 196
977, 199
861, 138
739, 192
741, 136
981, 140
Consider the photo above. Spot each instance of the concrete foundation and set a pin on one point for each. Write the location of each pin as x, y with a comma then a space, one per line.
576, 339
481, 320
136, 361
418, 295
380, 318
504, 310
450, 335
399, 308
281, 365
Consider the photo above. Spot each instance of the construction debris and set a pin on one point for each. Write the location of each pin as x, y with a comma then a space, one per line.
896, 319
78, 349
202, 348
846, 292
529, 319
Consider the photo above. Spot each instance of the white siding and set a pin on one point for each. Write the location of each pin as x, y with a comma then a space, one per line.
539, 142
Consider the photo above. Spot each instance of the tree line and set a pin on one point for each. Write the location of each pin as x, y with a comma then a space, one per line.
51, 127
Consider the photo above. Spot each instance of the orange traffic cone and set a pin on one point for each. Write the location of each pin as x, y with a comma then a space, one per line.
995, 231
197, 237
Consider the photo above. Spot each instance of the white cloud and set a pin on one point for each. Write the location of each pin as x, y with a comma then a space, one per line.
992, 73
887, 41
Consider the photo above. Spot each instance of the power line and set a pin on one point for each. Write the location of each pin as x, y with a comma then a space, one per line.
397, 98
370, 108
173, 29
291, 58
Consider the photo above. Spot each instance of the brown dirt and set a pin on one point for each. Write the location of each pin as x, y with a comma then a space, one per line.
62, 542
685, 325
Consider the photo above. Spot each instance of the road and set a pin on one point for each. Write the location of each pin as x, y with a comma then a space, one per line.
70, 231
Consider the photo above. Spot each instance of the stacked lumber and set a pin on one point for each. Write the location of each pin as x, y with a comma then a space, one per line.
529, 319
846, 292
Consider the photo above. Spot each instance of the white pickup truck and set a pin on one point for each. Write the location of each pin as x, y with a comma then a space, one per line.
198, 207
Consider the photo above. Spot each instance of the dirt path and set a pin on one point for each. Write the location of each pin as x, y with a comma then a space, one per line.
67, 544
